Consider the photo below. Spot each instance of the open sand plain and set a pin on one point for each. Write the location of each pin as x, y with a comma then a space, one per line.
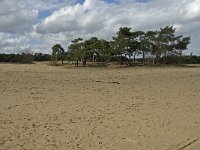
44, 107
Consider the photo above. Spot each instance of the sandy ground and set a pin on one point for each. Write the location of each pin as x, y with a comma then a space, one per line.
57, 108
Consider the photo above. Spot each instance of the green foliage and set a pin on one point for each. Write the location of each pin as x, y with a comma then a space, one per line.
77, 50
42, 57
126, 44
175, 59
27, 58
162, 43
106, 50
24, 57
58, 53
92, 49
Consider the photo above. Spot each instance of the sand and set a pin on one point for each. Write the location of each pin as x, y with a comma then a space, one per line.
44, 107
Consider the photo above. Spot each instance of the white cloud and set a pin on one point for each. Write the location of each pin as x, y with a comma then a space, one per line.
20, 15
97, 18
14, 18
192, 10
13, 43
17, 18
102, 19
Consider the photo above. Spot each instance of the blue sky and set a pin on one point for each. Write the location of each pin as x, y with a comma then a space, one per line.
37, 25
44, 14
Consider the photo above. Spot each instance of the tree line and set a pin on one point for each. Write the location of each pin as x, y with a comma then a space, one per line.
29, 58
24, 57
161, 46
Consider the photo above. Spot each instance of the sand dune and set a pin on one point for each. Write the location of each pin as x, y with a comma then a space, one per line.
47, 108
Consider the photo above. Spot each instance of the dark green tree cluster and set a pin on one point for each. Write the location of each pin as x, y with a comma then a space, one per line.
175, 59
42, 57
90, 50
127, 44
24, 57
162, 46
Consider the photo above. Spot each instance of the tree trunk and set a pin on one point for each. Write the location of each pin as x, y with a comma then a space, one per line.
76, 64
143, 57
180, 58
93, 58
157, 58
134, 57
84, 62
121, 61
129, 60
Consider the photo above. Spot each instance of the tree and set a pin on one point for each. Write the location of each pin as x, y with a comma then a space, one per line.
42, 57
181, 44
164, 42
132, 44
122, 43
58, 53
106, 50
146, 43
138, 43
77, 51
93, 47
126, 44
27, 56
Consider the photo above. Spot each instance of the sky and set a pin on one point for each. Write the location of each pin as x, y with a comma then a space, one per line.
36, 25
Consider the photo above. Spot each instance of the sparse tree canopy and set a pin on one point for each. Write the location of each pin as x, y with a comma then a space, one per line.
125, 46
58, 53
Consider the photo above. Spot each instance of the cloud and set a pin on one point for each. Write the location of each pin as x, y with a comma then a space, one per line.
68, 19
14, 18
20, 15
10, 43
192, 10
17, 18
94, 15
102, 19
